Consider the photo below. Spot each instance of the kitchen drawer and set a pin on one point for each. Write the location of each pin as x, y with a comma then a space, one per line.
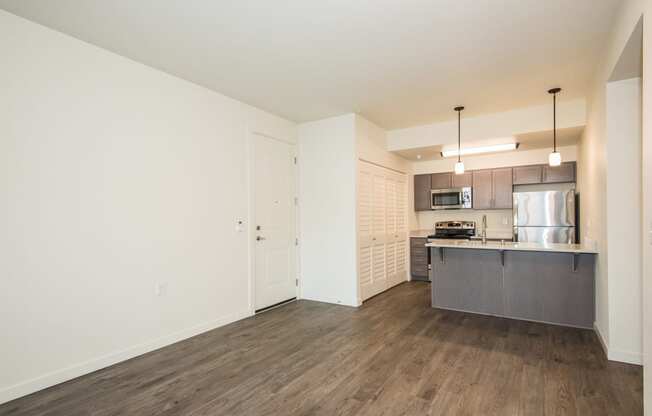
418, 242
419, 250
419, 260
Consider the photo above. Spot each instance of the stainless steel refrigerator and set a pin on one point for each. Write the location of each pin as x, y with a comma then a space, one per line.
544, 217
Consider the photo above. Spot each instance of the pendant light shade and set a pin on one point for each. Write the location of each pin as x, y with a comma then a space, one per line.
459, 166
554, 159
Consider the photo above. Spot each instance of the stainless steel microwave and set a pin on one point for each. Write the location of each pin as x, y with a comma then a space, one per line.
454, 198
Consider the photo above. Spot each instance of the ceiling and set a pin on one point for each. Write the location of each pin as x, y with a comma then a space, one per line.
397, 63
537, 140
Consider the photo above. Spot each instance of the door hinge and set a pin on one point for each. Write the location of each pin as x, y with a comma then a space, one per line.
296, 282
295, 160
296, 201
296, 241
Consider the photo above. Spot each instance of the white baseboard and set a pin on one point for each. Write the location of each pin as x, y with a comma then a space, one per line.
596, 328
353, 304
628, 357
59, 376
617, 355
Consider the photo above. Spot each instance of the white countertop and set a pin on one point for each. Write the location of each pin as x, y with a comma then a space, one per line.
508, 245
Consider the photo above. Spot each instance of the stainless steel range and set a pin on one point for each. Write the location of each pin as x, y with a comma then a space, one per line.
454, 230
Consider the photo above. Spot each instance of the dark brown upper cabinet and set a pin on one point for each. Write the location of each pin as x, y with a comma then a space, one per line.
563, 173
463, 180
441, 180
492, 189
422, 193
503, 188
482, 189
525, 175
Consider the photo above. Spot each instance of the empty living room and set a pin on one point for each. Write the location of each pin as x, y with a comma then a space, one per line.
335, 207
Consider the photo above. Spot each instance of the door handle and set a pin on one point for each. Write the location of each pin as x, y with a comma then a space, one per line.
259, 238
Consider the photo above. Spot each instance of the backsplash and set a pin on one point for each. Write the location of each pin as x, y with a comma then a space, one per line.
499, 222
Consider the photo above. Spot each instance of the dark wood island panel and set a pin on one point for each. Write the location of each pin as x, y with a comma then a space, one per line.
551, 287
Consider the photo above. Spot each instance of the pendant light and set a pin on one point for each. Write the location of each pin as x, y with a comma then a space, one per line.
459, 166
554, 159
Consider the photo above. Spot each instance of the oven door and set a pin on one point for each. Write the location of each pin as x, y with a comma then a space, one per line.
450, 198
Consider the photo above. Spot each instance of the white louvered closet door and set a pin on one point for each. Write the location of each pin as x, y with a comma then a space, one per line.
379, 251
401, 229
391, 234
365, 229
382, 229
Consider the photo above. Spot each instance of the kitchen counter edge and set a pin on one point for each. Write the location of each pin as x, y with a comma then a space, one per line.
511, 246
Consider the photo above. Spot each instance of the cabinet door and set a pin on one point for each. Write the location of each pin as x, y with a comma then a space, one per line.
525, 175
502, 188
563, 173
482, 189
463, 180
441, 180
418, 258
422, 187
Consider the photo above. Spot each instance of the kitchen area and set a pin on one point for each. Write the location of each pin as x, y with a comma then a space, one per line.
505, 242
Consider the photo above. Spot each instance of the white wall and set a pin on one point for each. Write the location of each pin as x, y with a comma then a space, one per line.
327, 186
623, 154
115, 178
495, 160
599, 155
371, 145
490, 126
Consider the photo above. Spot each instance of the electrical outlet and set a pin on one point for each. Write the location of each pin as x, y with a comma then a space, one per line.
160, 289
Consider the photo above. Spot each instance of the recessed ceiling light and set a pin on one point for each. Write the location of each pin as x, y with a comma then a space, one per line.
480, 149
418, 156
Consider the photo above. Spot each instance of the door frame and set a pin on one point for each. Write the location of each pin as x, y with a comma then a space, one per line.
250, 229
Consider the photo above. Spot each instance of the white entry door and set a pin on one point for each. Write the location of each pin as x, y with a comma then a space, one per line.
274, 221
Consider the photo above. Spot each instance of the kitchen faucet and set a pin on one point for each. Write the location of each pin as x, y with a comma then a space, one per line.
484, 229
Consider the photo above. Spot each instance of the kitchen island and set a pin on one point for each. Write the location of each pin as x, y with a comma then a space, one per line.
552, 283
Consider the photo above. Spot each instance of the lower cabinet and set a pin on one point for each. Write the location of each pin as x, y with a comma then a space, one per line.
418, 258
557, 288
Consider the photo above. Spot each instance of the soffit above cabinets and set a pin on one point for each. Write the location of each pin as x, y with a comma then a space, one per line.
537, 140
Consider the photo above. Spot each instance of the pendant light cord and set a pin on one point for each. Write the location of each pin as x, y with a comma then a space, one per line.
554, 122
459, 140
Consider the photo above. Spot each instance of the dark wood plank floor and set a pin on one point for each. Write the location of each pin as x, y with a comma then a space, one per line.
393, 356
